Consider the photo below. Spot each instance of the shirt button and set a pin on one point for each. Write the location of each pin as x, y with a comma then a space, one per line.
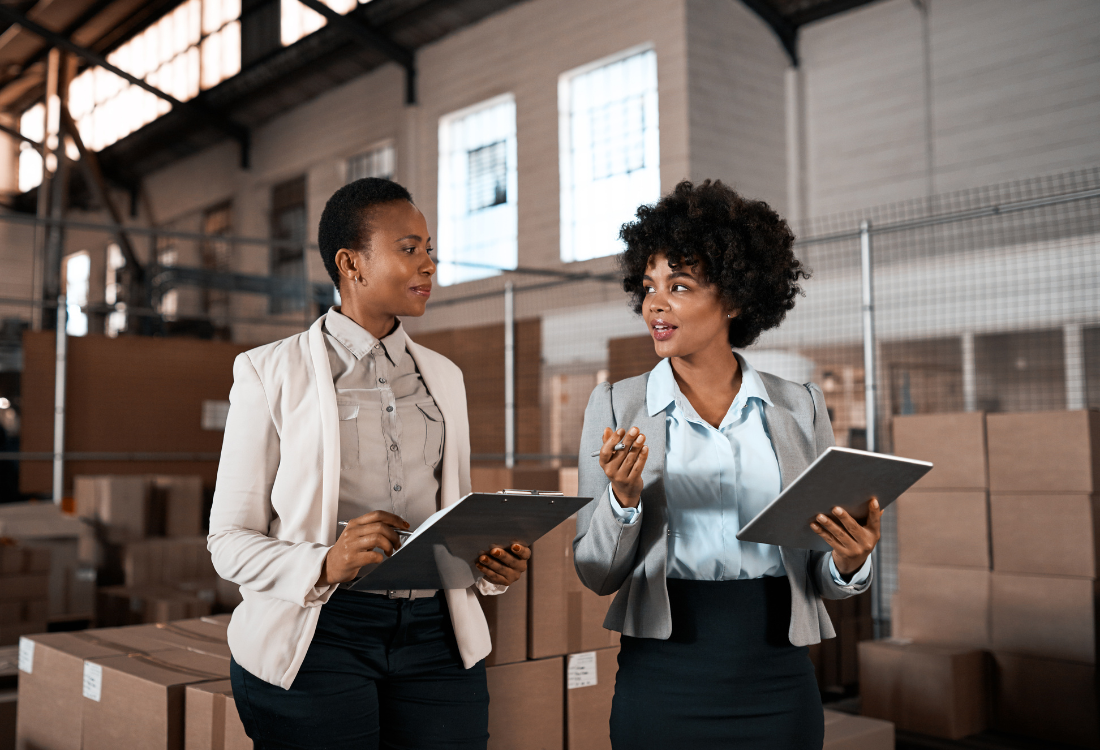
381, 380
397, 488
389, 408
393, 447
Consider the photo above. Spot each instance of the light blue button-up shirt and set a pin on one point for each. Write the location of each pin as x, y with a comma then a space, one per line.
716, 480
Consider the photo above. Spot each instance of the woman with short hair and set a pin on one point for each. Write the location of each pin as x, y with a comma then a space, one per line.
714, 630
351, 424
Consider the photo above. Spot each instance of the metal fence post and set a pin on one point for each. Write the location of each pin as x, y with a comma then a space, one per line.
509, 376
869, 394
59, 401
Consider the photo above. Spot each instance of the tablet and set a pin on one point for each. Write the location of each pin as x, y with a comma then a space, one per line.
442, 552
840, 476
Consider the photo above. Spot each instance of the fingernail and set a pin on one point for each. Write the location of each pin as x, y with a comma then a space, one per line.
815, 527
821, 519
641, 439
484, 558
838, 511
516, 548
874, 503
498, 552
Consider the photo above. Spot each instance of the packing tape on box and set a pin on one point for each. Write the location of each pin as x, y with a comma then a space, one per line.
217, 731
176, 629
85, 635
153, 661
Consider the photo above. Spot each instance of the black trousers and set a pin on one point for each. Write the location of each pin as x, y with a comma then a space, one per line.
728, 677
379, 673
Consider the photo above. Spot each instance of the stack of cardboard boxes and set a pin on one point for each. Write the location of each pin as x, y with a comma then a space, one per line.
124, 687
997, 554
70, 593
24, 587
1044, 480
149, 547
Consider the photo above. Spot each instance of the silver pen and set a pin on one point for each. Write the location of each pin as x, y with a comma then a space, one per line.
618, 447
402, 535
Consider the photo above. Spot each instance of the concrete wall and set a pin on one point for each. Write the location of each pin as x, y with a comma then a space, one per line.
897, 105
736, 101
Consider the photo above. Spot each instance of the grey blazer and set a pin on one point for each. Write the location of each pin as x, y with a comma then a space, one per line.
630, 559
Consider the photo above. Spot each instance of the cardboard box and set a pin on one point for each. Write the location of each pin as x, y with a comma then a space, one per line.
167, 560
13, 613
120, 504
563, 616
8, 708
507, 618
210, 639
179, 501
133, 605
939, 604
1052, 617
51, 670
23, 586
228, 595
1052, 701
19, 558
847, 732
1026, 528
211, 718
1041, 452
955, 443
497, 478
941, 691
569, 481
944, 528
589, 689
137, 700
526, 710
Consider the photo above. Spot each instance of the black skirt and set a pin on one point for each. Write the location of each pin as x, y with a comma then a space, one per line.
727, 677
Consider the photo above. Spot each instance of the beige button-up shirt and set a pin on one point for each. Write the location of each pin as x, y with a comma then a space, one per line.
391, 431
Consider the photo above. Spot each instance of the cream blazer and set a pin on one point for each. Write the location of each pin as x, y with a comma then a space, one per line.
274, 513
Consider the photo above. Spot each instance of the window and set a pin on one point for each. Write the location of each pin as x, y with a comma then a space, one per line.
288, 222
195, 47
33, 125
609, 150
297, 21
477, 191
377, 162
113, 292
78, 272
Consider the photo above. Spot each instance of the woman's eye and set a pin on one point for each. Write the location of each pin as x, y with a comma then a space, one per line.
648, 289
679, 286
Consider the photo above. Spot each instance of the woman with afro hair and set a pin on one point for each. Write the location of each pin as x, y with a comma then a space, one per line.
715, 631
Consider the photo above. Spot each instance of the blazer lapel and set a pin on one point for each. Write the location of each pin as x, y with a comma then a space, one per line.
440, 386
330, 430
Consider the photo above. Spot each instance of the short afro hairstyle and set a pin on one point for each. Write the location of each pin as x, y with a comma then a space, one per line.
345, 222
742, 246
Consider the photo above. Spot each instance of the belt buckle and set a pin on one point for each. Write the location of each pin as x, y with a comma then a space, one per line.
399, 594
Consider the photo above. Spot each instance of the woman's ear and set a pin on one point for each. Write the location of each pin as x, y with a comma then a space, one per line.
349, 264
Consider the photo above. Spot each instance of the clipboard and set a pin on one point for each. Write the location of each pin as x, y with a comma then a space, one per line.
840, 476
441, 553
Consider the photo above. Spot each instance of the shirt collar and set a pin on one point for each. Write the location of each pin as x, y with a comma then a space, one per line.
661, 390
359, 341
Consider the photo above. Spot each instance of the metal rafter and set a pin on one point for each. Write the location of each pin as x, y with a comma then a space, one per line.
362, 31
784, 29
237, 131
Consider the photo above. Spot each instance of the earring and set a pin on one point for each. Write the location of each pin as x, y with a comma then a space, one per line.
730, 315
359, 279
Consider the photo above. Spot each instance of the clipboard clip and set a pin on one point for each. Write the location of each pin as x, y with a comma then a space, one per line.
541, 493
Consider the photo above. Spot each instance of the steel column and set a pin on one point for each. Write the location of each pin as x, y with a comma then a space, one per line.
509, 376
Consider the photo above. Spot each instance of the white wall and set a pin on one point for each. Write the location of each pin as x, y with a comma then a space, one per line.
1014, 92
736, 101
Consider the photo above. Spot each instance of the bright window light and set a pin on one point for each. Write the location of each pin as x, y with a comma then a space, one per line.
78, 273
609, 150
33, 125
297, 21
477, 191
377, 162
116, 321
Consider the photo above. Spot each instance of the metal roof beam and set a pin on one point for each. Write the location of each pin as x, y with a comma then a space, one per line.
362, 31
784, 29
235, 130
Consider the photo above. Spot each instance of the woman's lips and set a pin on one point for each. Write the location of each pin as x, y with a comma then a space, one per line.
663, 331
422, 291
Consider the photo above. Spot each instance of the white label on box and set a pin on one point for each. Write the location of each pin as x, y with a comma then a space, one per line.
26, 655
581, 671
214, 414
93, 681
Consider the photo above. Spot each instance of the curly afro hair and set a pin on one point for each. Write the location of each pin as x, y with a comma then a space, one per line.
740, 245
345, 222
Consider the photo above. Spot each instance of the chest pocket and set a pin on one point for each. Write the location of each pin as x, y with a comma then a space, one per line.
433, 433
349, 434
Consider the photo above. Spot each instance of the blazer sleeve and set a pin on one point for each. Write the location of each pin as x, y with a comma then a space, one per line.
605, 547
819, 569
241, 514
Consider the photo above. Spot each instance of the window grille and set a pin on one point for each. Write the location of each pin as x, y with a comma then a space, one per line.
377, 162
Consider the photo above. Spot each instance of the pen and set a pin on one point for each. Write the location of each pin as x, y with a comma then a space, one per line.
618, 447
402, 535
